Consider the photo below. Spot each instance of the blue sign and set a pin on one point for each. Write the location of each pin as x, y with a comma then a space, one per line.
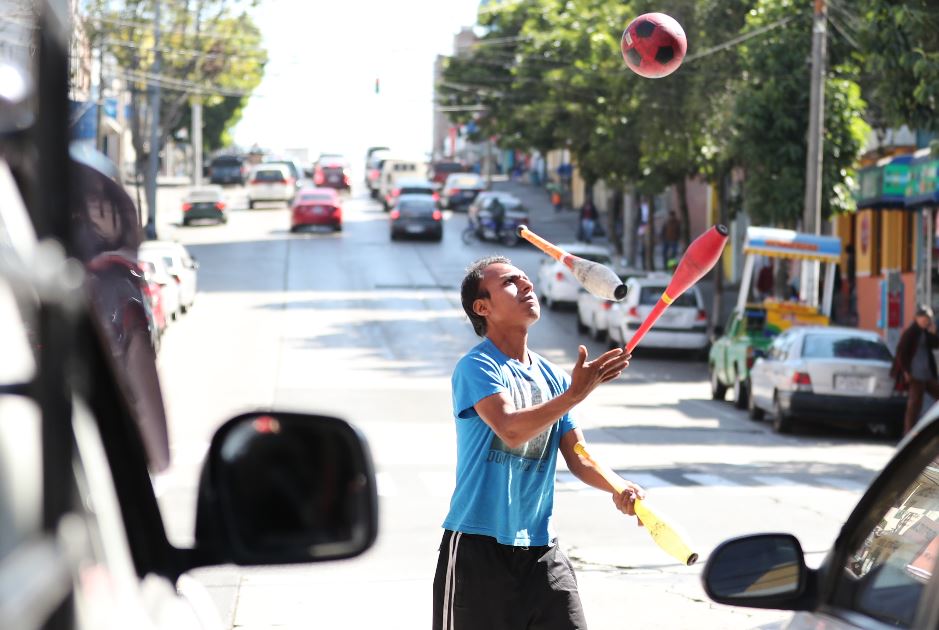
83, 120
778, 243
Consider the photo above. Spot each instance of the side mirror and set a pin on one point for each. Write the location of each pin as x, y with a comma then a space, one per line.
281, 488
761, 571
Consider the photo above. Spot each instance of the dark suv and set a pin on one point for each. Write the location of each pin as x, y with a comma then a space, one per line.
228, 169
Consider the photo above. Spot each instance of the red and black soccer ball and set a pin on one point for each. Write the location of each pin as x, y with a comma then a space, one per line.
654, 45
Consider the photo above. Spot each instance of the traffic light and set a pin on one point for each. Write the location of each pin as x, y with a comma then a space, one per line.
377, 85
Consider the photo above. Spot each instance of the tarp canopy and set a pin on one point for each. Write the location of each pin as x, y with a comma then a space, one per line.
779, 243
923, 187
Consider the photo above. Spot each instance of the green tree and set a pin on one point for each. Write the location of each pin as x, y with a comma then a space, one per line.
210, 50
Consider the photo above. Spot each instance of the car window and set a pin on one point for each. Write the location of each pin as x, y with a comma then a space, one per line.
269, 176
417, 206
885, 575
844, 347
649, 296
316, 197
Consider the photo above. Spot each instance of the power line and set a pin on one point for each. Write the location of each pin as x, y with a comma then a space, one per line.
740, 39
172, 28
180, 85
184, 51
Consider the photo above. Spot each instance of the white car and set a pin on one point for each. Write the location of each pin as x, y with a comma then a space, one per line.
181, 266
270, 182
157, 269
683, 325
592, 311
556, 284
828, 373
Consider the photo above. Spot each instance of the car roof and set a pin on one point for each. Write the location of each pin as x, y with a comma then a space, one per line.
834, 330
414, 183
270, 166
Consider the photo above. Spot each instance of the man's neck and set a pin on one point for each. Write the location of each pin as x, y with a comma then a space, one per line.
513, 344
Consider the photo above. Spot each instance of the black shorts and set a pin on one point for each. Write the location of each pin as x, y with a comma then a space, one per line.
483, 585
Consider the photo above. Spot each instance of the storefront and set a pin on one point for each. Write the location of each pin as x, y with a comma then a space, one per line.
881, 236
922, 196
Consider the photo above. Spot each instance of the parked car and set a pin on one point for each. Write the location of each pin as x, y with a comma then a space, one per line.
373, 169
181, 266
440, 170
460, 189
593, 311
750, 331
270, 182
829, 374
316, 207
406, 186
556, 284
206, 202
416, 215
153, 291
170, 293
880, 571
683, 326
228, 169
370, 154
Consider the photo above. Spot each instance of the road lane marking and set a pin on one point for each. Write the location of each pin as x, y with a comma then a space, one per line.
705, 479
770, 480
843, 484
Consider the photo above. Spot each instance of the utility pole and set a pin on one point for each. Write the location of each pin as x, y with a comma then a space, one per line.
812, 217
154, 157
197, 141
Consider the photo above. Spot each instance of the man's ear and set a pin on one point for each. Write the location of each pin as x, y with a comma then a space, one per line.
481, 307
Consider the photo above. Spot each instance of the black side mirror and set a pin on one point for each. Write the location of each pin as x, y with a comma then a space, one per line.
760, 571
280, 488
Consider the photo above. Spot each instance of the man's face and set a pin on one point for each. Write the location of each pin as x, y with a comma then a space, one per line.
922, 321
512, 300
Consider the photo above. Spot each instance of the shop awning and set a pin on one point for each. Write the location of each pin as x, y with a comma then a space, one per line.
884, 184
923, 187
779, 243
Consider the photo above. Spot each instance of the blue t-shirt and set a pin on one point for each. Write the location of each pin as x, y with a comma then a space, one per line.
506, 493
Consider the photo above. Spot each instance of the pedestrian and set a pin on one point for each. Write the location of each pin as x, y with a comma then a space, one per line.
764, 281
556, 200
671, 232
588, 220
915, 365
500, 566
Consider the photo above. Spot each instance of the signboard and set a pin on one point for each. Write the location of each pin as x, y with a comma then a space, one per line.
923, 185
885, 184
778, 243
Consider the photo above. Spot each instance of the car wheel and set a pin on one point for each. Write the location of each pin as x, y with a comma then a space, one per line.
782, 422
741, 392
754, 412
718, 389
337, 227
438, 237
185, 222
394, 235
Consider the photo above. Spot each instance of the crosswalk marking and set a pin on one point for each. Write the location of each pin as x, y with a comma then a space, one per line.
440, 483
843, 484
705, 479
770, 480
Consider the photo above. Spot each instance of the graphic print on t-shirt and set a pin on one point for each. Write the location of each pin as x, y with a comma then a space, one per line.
525, 393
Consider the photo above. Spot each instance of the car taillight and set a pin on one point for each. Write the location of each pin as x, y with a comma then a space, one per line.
395, 214
437, 215
559, 276
396, 192
220, 205
254, 182
187, 207
345, 179
436, 196
334, 209
802, 381
606, 305
702, 315
633, 311
452, 192
373, 174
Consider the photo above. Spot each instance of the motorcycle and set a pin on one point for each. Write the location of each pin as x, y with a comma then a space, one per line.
482, 227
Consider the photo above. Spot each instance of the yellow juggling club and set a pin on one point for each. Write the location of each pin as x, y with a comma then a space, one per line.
664, 535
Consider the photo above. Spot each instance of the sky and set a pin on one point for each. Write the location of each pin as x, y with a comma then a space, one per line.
318, 91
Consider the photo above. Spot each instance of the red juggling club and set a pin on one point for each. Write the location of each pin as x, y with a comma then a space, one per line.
699, 258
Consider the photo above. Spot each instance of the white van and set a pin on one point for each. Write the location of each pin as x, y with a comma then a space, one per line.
398, 168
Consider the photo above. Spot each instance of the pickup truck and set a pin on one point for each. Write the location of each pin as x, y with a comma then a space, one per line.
733, 353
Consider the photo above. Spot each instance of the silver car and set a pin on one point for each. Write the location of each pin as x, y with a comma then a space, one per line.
833, 374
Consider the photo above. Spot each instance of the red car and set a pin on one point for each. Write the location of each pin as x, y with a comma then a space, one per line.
315, 207
332, 173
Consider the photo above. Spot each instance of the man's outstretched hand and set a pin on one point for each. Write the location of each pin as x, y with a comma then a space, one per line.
587, 375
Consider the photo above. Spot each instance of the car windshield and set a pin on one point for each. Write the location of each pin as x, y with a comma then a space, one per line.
414, 205
649, 296
269, 176
844, 347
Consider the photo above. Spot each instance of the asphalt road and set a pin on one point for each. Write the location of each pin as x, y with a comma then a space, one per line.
354, 325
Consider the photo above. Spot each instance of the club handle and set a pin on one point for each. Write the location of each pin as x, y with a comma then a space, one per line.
647, 323
550, 249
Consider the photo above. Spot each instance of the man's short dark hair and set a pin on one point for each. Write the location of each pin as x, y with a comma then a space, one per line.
469, 290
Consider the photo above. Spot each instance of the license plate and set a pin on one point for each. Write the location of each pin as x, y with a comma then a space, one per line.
851, 384
333, 178
319, 210
414, 229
